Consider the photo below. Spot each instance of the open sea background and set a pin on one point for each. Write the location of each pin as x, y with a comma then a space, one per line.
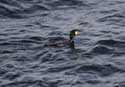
27, 25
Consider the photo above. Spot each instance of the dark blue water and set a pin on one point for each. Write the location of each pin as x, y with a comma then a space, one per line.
98, 59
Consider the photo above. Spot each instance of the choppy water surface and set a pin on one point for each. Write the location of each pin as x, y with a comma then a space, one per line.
27, 25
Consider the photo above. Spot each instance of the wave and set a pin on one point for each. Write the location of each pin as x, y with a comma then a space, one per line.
110, 42
34, 83
22, 9
102, 70
114, 19
19, 9
109, 46
101, 50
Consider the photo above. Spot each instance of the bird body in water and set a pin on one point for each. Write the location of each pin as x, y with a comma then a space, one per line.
63, 42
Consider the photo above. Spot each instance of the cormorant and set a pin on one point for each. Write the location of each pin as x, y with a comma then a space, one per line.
69, 42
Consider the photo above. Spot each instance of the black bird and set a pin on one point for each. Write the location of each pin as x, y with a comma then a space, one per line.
63, 42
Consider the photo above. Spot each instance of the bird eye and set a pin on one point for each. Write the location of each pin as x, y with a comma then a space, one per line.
77, 33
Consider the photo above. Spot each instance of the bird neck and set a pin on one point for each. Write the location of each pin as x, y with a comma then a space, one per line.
72, 44
71, 41
71, 37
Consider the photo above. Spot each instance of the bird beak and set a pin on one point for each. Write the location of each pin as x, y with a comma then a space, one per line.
77, 32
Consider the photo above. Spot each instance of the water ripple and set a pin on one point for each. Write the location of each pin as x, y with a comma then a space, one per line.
28, 26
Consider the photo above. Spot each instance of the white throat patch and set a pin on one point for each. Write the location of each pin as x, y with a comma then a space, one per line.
77, 33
